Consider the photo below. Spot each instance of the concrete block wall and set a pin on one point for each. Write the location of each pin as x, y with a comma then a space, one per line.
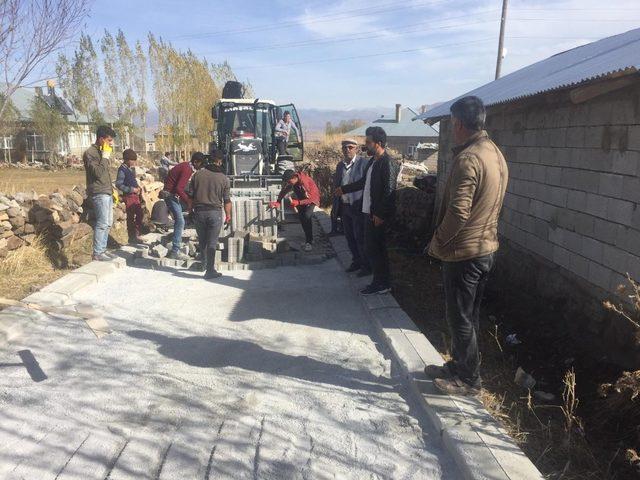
574, 189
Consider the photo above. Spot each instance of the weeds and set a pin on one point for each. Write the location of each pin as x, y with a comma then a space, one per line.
632, 292
24, 269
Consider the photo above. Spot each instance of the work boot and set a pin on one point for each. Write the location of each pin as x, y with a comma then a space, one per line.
210, 270
177, 256
456, 386
354, 267
374, 289
440, 371
364, 272
101, 257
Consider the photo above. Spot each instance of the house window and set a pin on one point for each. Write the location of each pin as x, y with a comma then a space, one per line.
35, 143
6, 143
411, 150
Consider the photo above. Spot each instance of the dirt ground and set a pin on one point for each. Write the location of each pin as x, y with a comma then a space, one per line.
13, 180
575, 435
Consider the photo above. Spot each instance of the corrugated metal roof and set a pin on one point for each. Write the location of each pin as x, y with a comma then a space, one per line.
406, 128
603, 57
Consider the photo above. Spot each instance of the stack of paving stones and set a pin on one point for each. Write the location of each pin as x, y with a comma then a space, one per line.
240, 250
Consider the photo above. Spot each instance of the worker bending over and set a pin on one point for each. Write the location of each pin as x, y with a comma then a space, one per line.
307, 196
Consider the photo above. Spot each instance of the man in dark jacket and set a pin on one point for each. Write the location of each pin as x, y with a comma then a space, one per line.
127, 183
307, 196
378, 204
210, 194
97, 166
176, 201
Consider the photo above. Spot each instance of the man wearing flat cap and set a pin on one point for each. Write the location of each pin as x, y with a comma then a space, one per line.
351, 169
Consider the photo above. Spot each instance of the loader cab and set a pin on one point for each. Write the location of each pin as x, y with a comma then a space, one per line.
245, 132
295, 144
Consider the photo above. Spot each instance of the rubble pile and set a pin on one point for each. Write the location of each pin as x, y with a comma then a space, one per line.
60, 218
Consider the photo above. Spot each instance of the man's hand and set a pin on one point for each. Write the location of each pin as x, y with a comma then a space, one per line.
227, 221
338, 192
377, 221
294, 202
137, 190
274, 204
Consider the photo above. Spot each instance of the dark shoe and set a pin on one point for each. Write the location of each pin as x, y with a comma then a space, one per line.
456, 386
209, 264
364, 272
354, 267
439, 371
374, 290
177, 256
112, 256
211, 274
101, 257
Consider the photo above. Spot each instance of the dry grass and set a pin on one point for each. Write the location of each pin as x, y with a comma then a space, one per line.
25, 270
552, 434
30, 268
14, 180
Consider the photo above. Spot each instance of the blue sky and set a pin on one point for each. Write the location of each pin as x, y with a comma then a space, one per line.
342, 54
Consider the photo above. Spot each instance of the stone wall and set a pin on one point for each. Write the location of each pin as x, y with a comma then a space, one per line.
58, 219
573, 198
61, 218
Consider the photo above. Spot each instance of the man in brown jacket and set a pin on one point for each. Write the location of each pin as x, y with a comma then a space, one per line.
466, 240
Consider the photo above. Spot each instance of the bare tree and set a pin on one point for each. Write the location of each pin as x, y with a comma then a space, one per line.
30, 31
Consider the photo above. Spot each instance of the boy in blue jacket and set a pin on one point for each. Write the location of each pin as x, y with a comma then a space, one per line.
127, 183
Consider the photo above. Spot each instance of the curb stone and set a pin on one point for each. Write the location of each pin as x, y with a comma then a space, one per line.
15, 320
481, 449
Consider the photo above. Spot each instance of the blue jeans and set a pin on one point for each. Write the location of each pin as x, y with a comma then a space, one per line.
175, 207
103, 210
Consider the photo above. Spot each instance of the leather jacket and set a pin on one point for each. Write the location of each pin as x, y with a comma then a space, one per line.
384, 179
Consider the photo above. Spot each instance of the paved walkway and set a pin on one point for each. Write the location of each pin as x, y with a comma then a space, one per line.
271, 374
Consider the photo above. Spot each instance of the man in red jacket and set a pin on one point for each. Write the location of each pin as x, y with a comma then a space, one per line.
307, 196
175, 183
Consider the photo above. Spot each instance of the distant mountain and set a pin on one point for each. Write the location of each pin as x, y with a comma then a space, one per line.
314, 120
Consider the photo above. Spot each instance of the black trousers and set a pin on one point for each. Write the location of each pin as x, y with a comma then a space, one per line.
464, 284
208, 224
281, 143
305, 213
353, 224
375, 240
336, 215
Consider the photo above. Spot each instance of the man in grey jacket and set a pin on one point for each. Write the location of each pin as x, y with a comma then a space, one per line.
351, 169
97, 167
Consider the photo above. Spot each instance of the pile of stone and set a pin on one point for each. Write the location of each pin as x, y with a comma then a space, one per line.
413, 222
61, 218
58, 219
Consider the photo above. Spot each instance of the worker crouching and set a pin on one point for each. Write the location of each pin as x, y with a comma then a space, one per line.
209, 192
307, 196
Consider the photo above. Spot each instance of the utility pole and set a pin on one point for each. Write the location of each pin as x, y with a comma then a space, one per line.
503, 20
